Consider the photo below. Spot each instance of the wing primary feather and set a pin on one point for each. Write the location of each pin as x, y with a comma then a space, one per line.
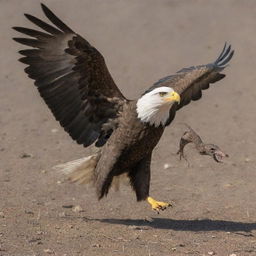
226, 60
55, 20
30, 52
225, 53
43, 25
28, 42
223, 50
224, 57
32, 32
29, 60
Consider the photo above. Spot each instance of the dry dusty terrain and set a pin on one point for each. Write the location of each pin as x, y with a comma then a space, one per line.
214, 209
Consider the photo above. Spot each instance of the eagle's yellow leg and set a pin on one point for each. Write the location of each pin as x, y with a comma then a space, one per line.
156, 205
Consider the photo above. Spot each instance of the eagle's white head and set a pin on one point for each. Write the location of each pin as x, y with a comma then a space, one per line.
154, 106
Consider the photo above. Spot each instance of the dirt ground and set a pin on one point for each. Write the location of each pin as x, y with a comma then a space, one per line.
214, 209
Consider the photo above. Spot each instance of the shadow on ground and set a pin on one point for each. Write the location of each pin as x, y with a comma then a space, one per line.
186, 225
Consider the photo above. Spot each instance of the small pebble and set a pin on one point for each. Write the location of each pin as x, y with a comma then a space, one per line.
2, 215
25, 155
77, 208
68, 206
232, 254
49, 251
166, 166
96, 245
29, 212
247, 159
34, 240
149, 219
54, 130
211, 253
62, 214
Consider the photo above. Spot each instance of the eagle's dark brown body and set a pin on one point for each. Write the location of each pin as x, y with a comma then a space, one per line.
131, 146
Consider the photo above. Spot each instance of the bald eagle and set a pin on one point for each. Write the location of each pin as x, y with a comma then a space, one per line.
72, 78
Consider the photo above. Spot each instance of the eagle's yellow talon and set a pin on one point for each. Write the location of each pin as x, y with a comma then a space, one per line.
156, 205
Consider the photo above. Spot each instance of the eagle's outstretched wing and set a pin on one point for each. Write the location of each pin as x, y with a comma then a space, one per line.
189, 82
73, 79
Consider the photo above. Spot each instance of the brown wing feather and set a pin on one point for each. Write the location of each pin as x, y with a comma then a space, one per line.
189, 82
73, 79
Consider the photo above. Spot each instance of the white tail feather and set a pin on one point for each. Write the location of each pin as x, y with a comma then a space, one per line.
80, 170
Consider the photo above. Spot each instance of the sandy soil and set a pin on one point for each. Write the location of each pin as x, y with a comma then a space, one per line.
214, 204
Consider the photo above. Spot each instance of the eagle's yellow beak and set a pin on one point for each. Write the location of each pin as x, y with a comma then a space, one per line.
173, 96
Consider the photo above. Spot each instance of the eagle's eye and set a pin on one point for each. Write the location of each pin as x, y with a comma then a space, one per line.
162, 93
